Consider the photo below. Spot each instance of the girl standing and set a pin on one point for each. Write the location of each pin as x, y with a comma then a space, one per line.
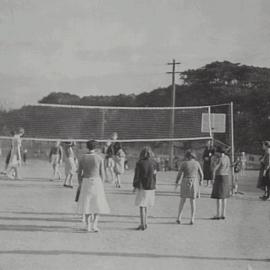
264, 177
92, 200
207, 155
15, 158
70, 165
119, 163
221, 187
144, 184
191, 176
55, 158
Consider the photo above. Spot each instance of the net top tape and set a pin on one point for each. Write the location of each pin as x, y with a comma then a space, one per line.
117, 108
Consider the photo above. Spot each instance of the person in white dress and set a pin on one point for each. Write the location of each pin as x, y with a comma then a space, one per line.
92, 200
56, 158
15, 159
119, 163
70, 164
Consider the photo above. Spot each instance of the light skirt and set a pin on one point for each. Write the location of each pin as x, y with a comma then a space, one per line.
70, 166
190, 188
92, 198
145, 198
55, 159
13, 160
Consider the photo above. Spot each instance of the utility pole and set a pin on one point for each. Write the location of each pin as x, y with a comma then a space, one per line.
173, 72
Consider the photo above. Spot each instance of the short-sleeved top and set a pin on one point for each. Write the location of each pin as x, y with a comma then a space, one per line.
223, 166
207, 154
56, 150
110, 152
16, 142
91, 166
190, 168
69, 152
265, 161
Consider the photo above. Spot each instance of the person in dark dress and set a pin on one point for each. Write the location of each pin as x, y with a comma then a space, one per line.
221, 186
207, 155
144, 184
264, 177
109, 163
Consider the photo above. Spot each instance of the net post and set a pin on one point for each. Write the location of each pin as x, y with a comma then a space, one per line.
210, 123
232, 141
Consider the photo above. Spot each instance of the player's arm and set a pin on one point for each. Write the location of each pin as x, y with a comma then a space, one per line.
102, 170
179, 176
267, 165
136, 179
200, 173
80, 172
19, 152
61, 154
50, 155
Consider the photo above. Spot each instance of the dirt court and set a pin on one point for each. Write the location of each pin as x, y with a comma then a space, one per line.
39, 228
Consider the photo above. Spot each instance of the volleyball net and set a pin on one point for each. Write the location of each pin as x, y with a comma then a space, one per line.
47, 123
81, 123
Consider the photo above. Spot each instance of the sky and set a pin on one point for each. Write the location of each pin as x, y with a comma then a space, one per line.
110, 47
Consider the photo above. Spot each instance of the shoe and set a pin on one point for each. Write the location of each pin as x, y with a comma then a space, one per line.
69, 186
178, 221
265, 198
144, 227
191, 222
96, 230
139, 228
65, 185
215, 218
222, 217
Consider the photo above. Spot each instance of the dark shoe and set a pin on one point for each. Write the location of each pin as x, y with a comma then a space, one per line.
178, 221
139, 228
222, 217
215, 218
144, 227
191, 222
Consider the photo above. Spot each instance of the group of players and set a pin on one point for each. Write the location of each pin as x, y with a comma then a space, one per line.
113, 153
114, 161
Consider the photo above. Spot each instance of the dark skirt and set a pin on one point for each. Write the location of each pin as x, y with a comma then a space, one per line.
221, 187
260, 183
266, 180
207, 174
263, 181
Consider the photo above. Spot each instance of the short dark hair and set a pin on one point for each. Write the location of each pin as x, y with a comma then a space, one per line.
91, 145
190, 154
220, 149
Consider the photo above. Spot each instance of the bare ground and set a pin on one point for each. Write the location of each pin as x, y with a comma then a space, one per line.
39, 228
